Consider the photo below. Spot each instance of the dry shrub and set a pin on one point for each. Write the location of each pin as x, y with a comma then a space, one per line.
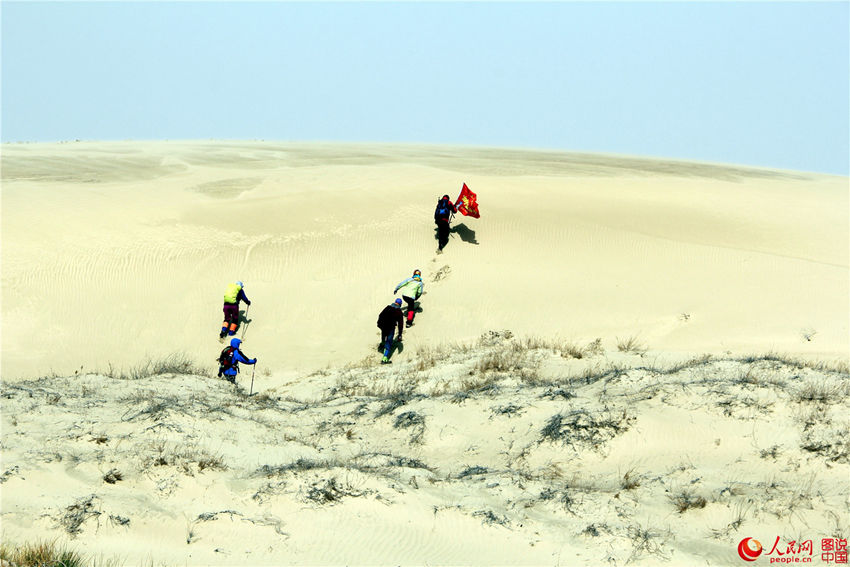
686, 500
329, 492
175, 363
631, 345
647, 541
77, 513
186, 458
821, 393
40, 554
580, 427
113, 476
630, 480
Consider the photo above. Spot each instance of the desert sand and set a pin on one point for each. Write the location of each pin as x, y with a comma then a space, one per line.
624, 360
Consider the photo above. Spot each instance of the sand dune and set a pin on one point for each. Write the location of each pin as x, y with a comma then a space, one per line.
624, 360
102, 242
501, 452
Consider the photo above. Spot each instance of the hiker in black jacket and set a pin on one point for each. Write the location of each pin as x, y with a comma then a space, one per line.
442, 215
390, 318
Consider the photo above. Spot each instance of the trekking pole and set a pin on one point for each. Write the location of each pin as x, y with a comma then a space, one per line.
252, 380
247, 322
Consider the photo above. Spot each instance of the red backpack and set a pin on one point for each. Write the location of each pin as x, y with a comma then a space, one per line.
225, 359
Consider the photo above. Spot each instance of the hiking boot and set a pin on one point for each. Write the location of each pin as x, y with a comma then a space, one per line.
408, 324
385, 360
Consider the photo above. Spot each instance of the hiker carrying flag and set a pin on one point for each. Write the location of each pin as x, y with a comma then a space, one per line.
229, 359
389, 318
442, 216
411, 289
467, 203
234, 293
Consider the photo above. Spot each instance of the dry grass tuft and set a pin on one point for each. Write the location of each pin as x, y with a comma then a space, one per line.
821, 393
631, 345
686, 500
40, 554
186, 458
630, 480
175, 363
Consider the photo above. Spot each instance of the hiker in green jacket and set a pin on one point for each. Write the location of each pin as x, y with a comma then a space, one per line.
411, 289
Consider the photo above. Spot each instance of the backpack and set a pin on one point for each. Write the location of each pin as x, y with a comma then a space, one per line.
443, 210
388, 317
225, 359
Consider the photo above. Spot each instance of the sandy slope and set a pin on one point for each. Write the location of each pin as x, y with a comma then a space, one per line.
502, 452
113, 252
476, 446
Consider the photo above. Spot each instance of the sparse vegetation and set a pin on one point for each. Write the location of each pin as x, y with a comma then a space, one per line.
329, 491
647, 541
630, 480
76, 514
580, 427
393, 402
182, 457
175, 363
40, 554
821, 392
685, 500
473, 471
808, 334
630, 345
770, 453
517, 448
509, 360
488, 517
509, 410
113, 476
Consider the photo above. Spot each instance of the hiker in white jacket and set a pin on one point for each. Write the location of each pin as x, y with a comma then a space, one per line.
411, 289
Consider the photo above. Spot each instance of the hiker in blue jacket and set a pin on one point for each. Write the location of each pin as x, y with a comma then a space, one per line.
229, 361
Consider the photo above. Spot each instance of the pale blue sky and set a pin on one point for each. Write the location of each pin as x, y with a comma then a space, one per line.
749, 83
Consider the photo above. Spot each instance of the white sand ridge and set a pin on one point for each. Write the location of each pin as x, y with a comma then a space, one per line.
505, 451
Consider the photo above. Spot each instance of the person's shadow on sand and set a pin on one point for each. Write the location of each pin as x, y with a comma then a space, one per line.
243, 323
466, 234
397, 347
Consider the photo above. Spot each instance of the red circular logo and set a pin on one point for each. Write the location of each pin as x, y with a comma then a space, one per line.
749, 551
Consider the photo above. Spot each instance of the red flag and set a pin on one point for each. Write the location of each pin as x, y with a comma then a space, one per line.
467, 203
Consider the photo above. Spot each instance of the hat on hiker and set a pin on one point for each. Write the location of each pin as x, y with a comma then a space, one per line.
240, 284
397, 303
